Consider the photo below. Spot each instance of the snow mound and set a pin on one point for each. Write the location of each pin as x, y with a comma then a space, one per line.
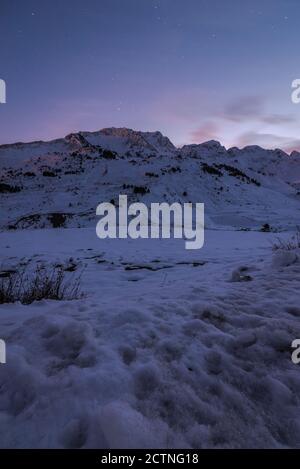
284, 258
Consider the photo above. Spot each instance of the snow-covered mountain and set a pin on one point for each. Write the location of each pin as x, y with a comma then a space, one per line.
60, 183
164, 347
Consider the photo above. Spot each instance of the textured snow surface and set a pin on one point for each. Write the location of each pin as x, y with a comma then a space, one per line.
169, 348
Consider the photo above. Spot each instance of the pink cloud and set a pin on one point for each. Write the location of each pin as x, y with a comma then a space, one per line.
207, 131
268, 140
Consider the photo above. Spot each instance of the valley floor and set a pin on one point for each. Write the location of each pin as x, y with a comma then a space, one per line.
168, 348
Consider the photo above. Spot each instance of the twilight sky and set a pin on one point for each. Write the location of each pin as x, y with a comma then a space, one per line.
193, 69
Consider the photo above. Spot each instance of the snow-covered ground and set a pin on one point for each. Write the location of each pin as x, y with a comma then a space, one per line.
168, 347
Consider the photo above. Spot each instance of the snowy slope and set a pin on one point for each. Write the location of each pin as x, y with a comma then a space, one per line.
242, 189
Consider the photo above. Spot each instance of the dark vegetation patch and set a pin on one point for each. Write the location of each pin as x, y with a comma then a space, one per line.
137, 189
108, 154
155, 265
6, 188
289, 244
235, 172
39, 220
216, 170
57, 219
172, 169
47, 283
141, 190
265, 228
76, 171
206, 168
49, 174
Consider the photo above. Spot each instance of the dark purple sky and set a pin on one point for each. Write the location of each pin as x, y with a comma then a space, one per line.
194, 69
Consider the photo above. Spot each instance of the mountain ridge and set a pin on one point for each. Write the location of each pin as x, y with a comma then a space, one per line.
128, 132
241, 188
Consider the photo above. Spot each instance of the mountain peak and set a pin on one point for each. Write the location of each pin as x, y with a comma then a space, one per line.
124, 139
211, 147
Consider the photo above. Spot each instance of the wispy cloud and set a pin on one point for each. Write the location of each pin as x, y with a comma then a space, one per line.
207, 131
268, 140
244, 108
278, 119
252, 108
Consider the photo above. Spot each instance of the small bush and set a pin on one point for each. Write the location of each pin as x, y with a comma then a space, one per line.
43, 283
287, 245
266, 228
174, 169
141, 190
109, 155
7, 188
57, 220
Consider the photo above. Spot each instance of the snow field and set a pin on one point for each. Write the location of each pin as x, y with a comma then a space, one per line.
167, 348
